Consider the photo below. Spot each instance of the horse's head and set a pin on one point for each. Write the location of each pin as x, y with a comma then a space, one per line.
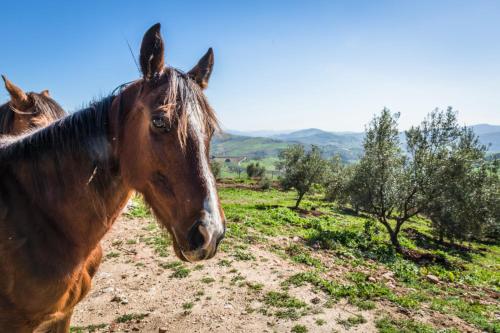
29, 110
165, 131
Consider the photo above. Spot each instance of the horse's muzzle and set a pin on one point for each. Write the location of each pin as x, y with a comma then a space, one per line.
203, 239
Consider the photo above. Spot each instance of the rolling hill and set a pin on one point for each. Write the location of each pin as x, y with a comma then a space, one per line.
262, 144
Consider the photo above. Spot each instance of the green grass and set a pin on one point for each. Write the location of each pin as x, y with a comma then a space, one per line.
130, 317
352, 321
256, 217
158, 239
389, 325
349, 240
171, 265
180, 272
138, 208
112, 254
207, 280
87, 329
282, 300
299, 329
187, 306
320, 322
255, 286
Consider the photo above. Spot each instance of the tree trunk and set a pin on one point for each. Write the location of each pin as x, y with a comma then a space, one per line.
395, 241
299, 199
393, 234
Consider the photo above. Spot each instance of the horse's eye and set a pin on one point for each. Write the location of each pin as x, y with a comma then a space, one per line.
160, 123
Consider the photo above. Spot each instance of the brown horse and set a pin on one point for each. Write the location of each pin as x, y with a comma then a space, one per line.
63, 186
27, 111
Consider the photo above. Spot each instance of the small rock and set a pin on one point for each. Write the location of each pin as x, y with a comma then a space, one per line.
116, 298
371, 279
162, 330
404, 311
315, 300
296, 238
228, 306
432, 278
119, 299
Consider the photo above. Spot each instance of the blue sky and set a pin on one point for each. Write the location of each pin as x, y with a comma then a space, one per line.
278, 64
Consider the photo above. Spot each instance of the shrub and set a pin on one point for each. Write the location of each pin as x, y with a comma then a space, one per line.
265, 183
255, 170
216, 169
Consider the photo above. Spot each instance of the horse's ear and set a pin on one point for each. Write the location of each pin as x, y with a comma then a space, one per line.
45, 93
18, 97
202, 71
152, 50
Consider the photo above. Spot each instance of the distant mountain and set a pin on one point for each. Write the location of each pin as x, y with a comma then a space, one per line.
491, 140
252, 147
260, 144
347, 145
481, 129
314, 136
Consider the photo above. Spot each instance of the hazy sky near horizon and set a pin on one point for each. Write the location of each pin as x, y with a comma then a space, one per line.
278, 64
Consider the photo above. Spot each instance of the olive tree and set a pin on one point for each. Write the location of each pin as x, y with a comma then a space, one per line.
458, 187
380, 184
301, 169
336, 180
442, 174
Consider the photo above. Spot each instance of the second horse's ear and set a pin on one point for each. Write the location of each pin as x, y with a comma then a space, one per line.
152, 52
203, 69
18, 97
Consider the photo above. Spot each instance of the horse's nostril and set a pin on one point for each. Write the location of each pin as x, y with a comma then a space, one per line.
195, 237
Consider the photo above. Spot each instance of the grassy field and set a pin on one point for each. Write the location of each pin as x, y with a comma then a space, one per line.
469, 289
318, 269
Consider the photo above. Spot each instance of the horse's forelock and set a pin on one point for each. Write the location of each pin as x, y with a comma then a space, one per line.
182, 97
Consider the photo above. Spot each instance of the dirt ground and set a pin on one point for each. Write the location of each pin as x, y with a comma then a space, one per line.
133, 293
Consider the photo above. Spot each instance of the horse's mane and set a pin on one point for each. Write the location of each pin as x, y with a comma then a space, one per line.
83, 130
41, 105
86, 131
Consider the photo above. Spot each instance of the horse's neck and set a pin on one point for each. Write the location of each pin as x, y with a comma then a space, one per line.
63, 206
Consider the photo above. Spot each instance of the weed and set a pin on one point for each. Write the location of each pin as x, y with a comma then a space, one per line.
320, 322
224, 263
180, 272
299, 329
351, 321
112, 255
255, 286
138, 208
171, 265
87, 329
282, 300
390, 325
132, 316
207, 280
187, 306
243, 256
